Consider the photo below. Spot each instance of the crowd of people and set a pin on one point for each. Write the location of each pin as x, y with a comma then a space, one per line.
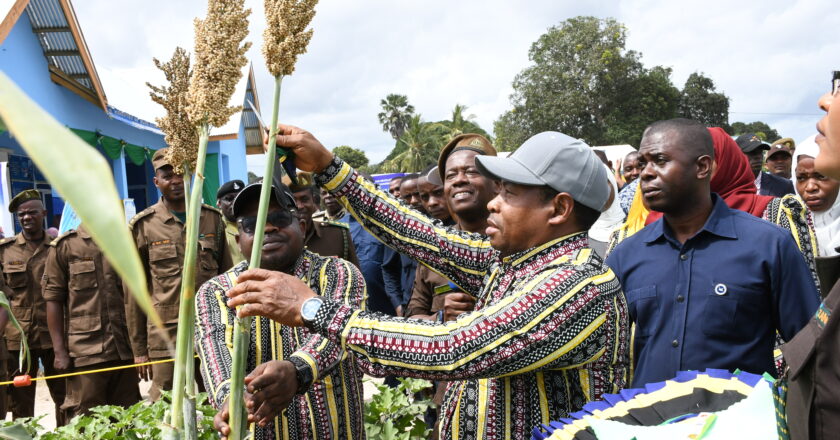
522, 286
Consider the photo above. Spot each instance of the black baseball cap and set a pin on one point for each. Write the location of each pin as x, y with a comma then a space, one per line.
251, 192
749, 142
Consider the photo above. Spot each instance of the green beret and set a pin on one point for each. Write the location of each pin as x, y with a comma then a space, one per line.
23, 196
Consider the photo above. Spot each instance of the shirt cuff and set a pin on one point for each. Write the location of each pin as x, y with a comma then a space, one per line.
331, 320
335, 175
54, 295
222, 393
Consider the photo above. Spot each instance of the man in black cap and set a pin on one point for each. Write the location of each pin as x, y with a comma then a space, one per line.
767, 184
224, 200
326, 399
22, 259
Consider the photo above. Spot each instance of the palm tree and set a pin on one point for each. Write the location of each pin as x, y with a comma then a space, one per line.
395, 115
460, 123
422, 140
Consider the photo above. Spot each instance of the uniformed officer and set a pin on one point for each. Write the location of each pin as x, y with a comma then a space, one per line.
224, 200
22, 259
159, 233
323, 237
84, 296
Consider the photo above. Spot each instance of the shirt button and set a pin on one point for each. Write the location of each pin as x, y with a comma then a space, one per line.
683, 257
675, 343
680, 298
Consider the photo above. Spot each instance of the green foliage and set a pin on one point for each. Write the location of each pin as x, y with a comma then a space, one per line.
421, 143
140, 421
761, 129
353, 156
584, 82
395, 115
396, 414
701, 102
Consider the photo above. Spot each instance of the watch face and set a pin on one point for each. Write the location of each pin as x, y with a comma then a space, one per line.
310, 308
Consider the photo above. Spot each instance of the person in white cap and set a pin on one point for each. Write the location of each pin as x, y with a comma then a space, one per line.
549, 332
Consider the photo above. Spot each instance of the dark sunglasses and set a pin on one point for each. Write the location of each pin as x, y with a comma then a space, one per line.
835, 82
280, 219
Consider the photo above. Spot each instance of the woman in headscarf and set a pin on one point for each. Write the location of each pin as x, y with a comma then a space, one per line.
820, 195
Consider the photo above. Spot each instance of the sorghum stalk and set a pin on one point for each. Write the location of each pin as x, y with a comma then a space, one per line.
184, 347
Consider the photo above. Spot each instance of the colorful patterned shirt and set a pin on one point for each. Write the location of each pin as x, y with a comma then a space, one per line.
333, 406
549, 332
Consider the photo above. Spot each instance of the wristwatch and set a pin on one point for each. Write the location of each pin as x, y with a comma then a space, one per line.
309, 309
303, 373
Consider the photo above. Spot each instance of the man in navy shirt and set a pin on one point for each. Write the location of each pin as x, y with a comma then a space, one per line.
707, 286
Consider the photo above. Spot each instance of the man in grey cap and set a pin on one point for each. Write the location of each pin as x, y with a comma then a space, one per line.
549, 332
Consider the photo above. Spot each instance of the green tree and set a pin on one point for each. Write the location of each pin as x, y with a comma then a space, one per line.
395, 115
582, 82
420, 144
761, 129
701, 102
353, 156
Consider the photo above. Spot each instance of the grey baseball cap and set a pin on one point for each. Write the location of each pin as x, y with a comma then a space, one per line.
553, 159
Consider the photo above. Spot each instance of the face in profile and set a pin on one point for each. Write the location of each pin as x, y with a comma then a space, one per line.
828, 161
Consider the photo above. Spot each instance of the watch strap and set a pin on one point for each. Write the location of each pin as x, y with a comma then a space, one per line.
304, 374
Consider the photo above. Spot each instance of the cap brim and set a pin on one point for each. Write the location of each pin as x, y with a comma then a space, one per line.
250, 193
752, 148
507, 169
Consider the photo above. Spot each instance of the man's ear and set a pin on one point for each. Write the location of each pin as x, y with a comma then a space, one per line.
705, 167
302, 224
562, 205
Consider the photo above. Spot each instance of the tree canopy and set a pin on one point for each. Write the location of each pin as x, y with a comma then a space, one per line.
761, 129
395, 115
355, 157
584, 82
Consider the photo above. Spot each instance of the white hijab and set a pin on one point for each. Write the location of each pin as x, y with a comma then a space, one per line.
826, 223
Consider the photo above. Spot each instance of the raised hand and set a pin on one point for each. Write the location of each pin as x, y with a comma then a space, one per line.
310, 154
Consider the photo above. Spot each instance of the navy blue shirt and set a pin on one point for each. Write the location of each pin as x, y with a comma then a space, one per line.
715, 301
371, 255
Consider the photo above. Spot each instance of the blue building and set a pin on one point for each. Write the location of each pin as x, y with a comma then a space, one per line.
43, 51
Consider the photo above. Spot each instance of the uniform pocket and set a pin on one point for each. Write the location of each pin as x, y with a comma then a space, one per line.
83, 275
83, 336
24, 317
642, 305
163, 260
731, 309
15, 275
209, 264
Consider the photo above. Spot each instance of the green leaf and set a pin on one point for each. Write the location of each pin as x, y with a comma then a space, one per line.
83, 178
24, 360
14, 432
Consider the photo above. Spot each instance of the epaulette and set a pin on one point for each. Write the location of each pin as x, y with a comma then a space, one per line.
335, 223
140, 215
7, 240
211, 208
62, 236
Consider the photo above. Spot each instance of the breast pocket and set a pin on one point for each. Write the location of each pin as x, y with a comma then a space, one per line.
209, 263
83, 335
15, 275
642, 306
83, 275
732, 310
163, 260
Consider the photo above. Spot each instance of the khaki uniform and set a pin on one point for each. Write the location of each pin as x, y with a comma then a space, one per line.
429, 293
236, 255
160, 239
331, 239
78, 276
23, 268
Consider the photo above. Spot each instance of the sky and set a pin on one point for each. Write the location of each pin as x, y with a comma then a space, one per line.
772, 58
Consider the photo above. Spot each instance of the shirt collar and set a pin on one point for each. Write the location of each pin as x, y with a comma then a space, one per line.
568, 244
719, 223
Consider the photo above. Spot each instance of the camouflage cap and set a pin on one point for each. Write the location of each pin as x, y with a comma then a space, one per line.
23, 196
467, 141
159, 159
784, 143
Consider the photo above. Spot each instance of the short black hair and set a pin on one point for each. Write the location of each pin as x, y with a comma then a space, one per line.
631, 155
585, 216
410, 176
693, 135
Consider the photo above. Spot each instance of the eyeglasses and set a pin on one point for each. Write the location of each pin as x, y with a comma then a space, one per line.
835, 83
280, 219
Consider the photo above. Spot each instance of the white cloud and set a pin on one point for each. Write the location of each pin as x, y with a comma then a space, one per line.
768, 56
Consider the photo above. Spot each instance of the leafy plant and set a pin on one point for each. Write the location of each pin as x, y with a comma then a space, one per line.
396, 413
137, 422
